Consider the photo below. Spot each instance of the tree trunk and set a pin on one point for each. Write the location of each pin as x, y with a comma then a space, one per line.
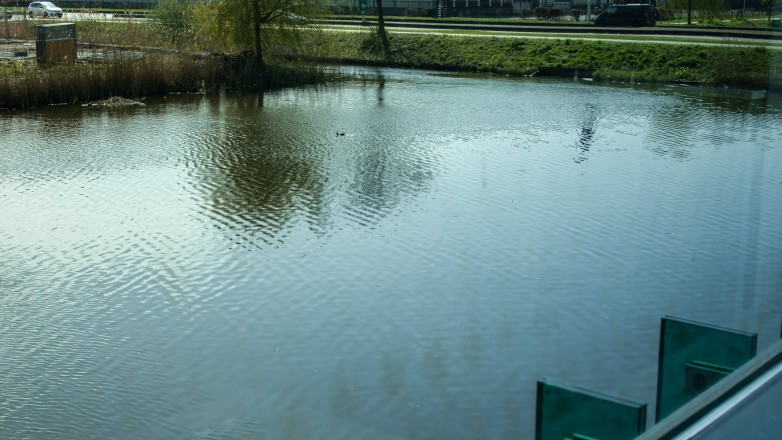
381, 29
257, 31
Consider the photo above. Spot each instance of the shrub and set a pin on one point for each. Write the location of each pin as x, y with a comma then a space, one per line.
174, 15
576, 14
415, 12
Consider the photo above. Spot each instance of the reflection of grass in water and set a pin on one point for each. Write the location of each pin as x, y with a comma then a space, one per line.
293, 419
392, 378
474, 345
435, 362
346, 402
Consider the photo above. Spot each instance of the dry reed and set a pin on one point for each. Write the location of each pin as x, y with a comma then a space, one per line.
84, 82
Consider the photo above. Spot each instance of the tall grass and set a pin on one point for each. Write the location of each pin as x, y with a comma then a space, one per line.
74, 83
27, 85
141, 60
145, 34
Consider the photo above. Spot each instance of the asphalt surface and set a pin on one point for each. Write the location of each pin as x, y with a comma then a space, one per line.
513, 28
563, 28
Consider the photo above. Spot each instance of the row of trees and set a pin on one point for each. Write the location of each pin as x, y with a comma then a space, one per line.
254, 25
704, 9
707, 9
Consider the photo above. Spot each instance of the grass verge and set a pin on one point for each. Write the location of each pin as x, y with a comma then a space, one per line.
730, 64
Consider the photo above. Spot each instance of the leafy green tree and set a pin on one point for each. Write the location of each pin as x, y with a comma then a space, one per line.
707, 9
174, 15
255, 25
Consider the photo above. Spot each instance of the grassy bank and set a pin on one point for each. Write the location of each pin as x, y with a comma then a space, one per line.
729, 64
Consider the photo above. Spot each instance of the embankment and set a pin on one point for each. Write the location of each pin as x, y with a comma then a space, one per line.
728, 64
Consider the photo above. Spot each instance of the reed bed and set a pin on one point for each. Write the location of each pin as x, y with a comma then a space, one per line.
30, 86
135, 60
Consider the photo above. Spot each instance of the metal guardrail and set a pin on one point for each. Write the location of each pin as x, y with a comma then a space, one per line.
745, 404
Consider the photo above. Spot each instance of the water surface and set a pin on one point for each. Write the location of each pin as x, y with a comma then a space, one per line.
232, 267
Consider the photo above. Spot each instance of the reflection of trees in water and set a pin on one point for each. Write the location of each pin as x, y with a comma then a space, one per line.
668, 126
259, 194
707, 116
386, 173
255, 185
264, 168
381, 88
735, 101
587, 133
389, 165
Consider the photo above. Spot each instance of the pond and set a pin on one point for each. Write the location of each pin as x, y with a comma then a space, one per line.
399, 257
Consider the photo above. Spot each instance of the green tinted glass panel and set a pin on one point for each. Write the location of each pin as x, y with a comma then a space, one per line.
694, 356
56, 32
569, 412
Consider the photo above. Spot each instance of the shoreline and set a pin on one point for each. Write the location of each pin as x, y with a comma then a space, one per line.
724, 65
165, 70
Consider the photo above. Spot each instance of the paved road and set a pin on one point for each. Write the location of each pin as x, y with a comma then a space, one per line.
73, 16
655, 35
563, 28
520, 29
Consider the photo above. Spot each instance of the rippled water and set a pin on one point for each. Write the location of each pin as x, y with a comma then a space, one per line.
227, 267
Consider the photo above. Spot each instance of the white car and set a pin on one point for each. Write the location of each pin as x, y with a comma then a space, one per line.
43, 9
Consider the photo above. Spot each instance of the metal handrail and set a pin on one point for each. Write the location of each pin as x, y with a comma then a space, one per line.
717, 402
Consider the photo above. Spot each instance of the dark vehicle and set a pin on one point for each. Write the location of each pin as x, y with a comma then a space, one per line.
627, 15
